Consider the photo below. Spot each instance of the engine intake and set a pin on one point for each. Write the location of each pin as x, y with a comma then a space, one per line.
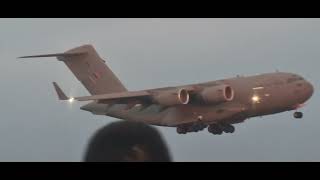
172, 97
217, 94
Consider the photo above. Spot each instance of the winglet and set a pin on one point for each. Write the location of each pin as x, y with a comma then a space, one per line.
60, 93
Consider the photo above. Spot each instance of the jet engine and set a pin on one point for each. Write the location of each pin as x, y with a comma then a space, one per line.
216, 94
172, 97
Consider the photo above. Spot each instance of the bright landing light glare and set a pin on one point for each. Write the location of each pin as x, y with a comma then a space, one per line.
71, 100
255, 99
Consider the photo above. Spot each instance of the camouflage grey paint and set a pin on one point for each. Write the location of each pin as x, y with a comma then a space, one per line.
274, 93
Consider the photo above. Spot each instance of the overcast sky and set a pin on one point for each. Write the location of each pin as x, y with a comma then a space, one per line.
149, 53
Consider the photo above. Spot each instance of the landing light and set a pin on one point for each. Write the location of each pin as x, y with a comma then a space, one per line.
255, 99
71, 100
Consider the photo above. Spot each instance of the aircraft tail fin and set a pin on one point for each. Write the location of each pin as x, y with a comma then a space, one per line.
85, 63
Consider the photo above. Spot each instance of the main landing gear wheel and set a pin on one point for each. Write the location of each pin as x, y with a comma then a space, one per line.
228, 128
181, 130
215, 129
298, 115
190, 128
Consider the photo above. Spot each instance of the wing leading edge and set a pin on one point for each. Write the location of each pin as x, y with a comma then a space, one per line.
102, 97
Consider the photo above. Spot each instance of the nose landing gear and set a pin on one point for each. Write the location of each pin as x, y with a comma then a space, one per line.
298, 115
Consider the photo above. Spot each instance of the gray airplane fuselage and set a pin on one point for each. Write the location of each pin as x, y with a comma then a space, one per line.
215, 105
253, 96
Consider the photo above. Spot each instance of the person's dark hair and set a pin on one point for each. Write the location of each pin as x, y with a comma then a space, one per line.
127, 141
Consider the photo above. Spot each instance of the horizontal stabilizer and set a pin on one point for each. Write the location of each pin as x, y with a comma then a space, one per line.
56, 55
60, 93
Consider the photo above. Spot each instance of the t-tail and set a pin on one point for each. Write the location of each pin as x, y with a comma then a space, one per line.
85, 63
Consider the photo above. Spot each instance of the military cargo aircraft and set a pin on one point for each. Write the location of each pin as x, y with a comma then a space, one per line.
215, 105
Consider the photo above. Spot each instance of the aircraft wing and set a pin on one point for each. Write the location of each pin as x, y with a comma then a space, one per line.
143, 96
119, 96
111, 96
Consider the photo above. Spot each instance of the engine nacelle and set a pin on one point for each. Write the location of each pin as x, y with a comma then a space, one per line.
216, 94
172, 97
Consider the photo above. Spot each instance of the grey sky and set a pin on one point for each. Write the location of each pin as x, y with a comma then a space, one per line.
148, 53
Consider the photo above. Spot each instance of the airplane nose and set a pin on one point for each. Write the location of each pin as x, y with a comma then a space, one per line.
309, 88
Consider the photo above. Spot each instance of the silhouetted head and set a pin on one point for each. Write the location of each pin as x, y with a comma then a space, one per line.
127, 141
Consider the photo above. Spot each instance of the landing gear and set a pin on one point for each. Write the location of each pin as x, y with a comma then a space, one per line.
197, 127
215, 129
228, 128
298, 115
183, 129
218, 129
